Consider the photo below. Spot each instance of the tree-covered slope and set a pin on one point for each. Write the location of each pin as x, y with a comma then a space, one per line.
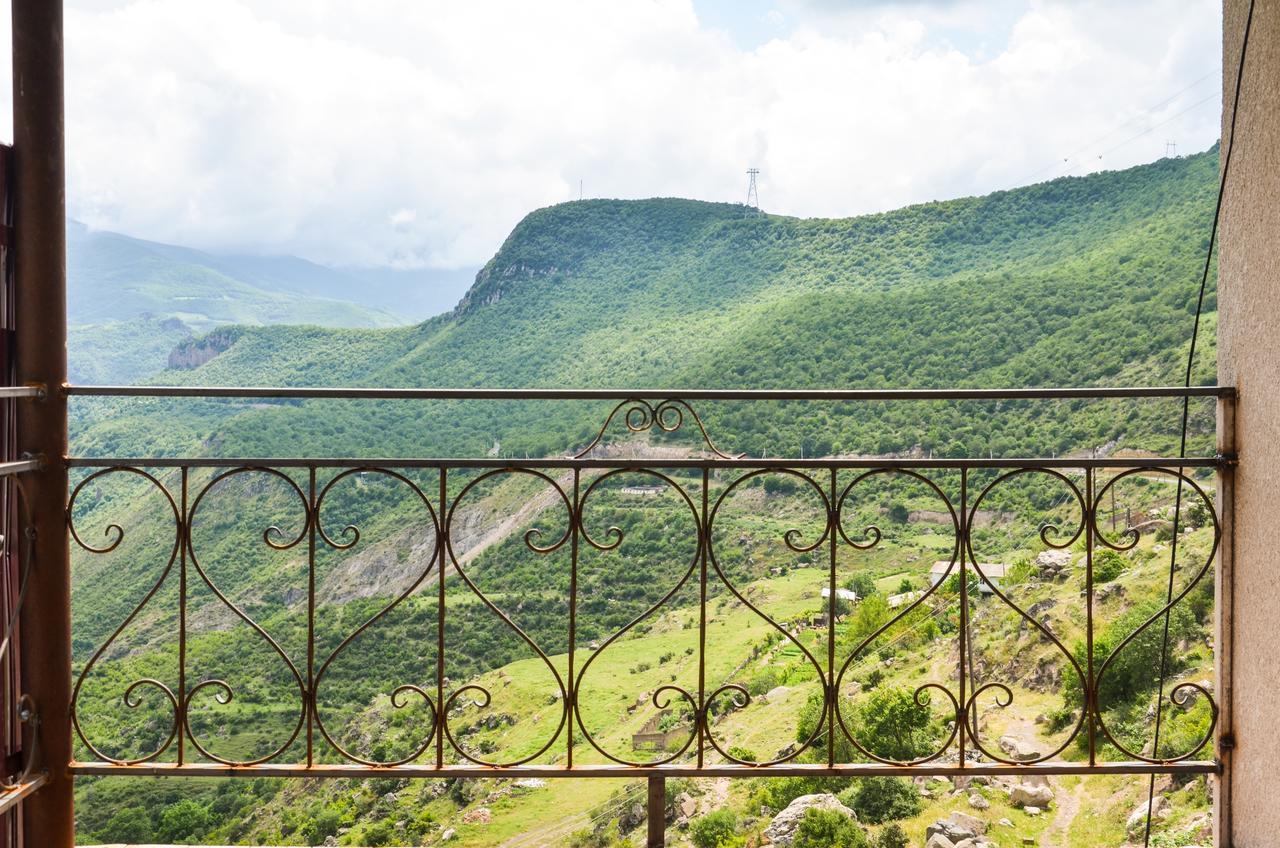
1078, 281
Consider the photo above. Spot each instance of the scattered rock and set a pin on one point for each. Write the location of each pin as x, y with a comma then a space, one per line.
782, 830
448, 835
978, 802
531, 783
1053, 564
1005, 823
776, 694
1029, 795
1137, 821
1031, 811
956, 828
480, 815
1019, 750
937, 840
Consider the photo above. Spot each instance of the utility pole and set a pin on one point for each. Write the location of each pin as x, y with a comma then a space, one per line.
1170, 149
753, 196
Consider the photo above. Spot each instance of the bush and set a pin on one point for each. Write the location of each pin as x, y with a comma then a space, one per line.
880, 799
1108, 565
714, 830
321, 825
892, 837
828, 829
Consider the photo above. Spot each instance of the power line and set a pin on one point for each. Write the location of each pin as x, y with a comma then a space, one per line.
1141, 114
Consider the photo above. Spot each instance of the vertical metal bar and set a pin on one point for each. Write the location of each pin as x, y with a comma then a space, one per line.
832, 694
575, 521
40, 275
1088, 689
962, 720
313, 519
657, 812
1225, 603
184, 539
442, 546
704, 546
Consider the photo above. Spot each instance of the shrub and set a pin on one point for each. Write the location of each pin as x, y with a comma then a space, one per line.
880, 799
828, 829
1108, 565
892, 837
714, 830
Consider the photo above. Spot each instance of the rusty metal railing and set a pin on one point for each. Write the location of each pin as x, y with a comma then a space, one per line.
700, 484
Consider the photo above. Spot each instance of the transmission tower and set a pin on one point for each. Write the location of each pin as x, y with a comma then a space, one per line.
1170, 149
753, 197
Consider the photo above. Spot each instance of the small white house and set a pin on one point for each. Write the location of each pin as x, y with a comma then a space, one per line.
993, 571
904, 598
843, 594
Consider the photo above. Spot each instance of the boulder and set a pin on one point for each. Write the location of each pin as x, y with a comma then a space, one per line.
967, 822
956, 827
448, 835
1031, 810
978, 802
1028, 795
1054, 560
480, 815
1136, 824
782, 830
776, 694
937, 840
1019, 750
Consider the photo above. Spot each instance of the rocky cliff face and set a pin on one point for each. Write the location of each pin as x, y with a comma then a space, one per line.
193, 353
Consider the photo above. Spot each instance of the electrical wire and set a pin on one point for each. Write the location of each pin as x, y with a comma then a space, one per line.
1186, 409
1118, 128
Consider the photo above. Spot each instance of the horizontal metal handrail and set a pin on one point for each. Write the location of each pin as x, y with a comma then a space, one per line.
939, 463
291, 392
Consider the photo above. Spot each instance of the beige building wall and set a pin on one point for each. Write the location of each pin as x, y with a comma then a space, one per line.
1249, 358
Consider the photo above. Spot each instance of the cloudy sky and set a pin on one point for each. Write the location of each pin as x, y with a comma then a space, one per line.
416, 133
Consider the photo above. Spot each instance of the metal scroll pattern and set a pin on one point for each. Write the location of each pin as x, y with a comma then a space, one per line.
701, 495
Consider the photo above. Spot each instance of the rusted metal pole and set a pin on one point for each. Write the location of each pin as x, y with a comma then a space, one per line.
1224, 637
657, 812
40, 278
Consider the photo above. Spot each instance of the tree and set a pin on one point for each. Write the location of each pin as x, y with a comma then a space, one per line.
131, 824
890, 724
184, 822
714, 829
880, 799
828, 829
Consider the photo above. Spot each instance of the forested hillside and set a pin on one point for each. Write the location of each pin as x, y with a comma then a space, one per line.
1079, 281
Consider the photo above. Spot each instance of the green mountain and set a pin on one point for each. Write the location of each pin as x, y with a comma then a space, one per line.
1078, 281
130, 301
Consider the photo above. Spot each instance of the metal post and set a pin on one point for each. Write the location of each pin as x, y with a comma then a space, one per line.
1224, 602
657, 812
41, 357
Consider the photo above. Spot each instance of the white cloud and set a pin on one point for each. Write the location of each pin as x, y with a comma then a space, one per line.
413, 133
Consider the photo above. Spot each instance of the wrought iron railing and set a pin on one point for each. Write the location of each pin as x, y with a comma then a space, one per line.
699, 484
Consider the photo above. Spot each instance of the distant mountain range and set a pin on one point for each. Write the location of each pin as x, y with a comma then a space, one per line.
129, 301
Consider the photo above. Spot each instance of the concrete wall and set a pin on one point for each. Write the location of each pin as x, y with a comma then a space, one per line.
1249, 358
